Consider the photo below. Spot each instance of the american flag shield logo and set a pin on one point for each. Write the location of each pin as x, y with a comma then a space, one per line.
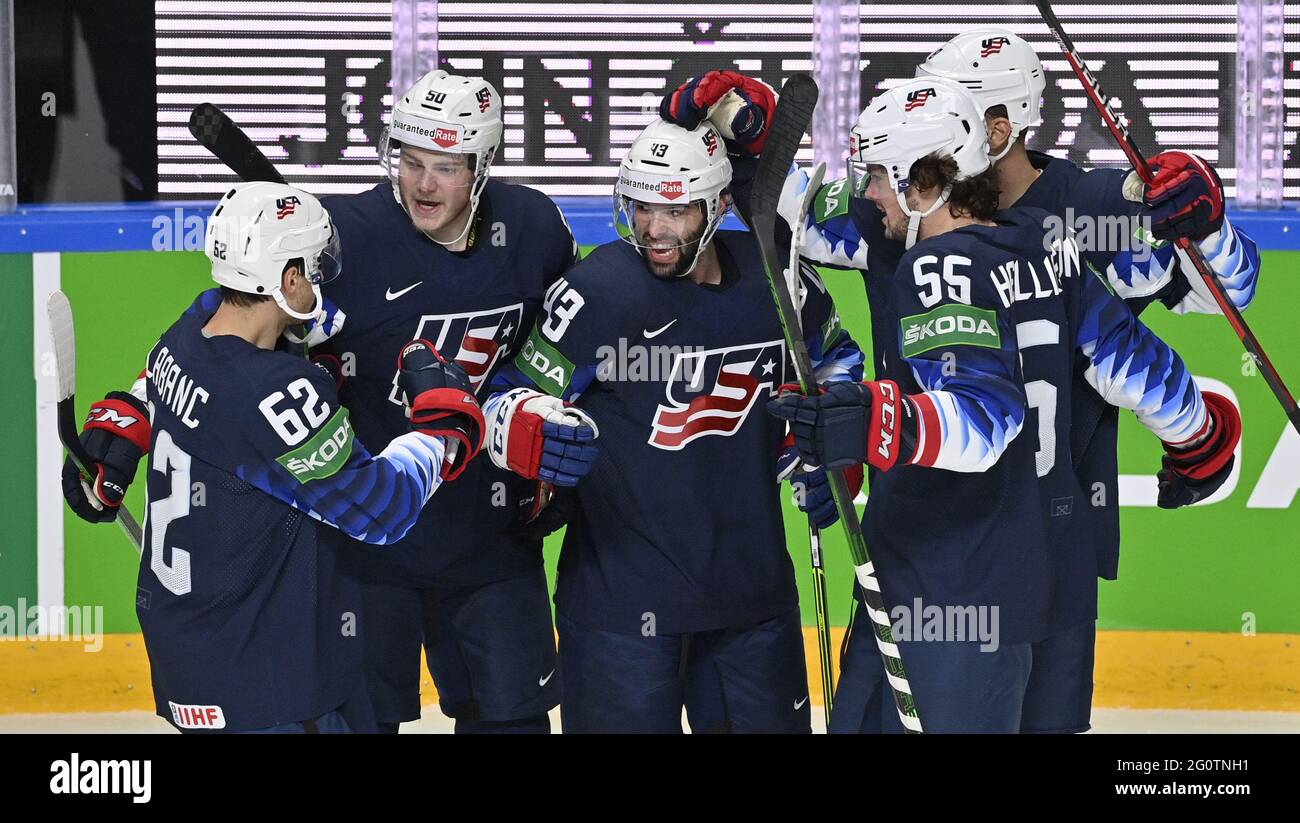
712, 392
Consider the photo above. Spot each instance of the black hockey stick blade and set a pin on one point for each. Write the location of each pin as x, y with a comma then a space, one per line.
63, 336
219, 135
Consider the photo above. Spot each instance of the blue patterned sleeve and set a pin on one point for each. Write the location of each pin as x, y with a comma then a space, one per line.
308, 456
1132, 368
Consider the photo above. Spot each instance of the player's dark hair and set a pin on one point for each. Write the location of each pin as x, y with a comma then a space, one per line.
975, 197
243, 299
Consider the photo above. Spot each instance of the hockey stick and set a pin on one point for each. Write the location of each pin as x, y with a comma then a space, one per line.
1190, 250
219, 135
820, 601
63, 335
793, 115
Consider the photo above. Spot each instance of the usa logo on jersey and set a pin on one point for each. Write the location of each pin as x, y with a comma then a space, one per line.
475, 340
713, 391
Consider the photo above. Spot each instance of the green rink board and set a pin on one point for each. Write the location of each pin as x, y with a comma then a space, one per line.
1198, 569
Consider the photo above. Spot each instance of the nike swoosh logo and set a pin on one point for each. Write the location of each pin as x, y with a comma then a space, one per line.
798, 704
544, 680
650, 334
393, 295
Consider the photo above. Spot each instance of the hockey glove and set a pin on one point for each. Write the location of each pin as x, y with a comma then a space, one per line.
332, 366
440, 403
1185, 199
116, 436
850, 423
1192, 474
812, 492
739, 107
535, 436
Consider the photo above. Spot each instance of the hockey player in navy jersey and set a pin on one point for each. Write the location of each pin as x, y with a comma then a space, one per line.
675, 588
441, 251
985, 317
845, 230
255, 474
1143, 267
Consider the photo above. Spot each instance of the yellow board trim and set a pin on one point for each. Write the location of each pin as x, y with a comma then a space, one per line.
1138, 670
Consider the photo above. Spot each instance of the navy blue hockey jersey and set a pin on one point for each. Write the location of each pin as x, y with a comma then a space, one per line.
989, 323
847, 232
254, 476
476, 307
678, 526
1141, 271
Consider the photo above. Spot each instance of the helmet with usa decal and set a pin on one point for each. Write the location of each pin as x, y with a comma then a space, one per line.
666, 176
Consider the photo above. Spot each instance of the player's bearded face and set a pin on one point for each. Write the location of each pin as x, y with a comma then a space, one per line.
881, 192
435, 188
669, 235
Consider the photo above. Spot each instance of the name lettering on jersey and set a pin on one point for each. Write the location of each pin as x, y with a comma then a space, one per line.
325, 454
545, 365
476, 340
713, 391
176, 390
197, 717
1020, 280
949, 325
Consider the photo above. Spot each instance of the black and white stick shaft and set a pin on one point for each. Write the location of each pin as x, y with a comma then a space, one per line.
1191, 252
793, 115
63, 336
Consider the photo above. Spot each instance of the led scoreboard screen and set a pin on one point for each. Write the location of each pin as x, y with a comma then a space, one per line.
310, 81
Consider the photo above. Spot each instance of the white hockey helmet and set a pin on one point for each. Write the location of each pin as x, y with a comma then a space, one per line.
446, 113
670, 165
1000, 69
257, 228
911, 121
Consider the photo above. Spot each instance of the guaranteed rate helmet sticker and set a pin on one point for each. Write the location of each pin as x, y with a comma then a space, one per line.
653, 188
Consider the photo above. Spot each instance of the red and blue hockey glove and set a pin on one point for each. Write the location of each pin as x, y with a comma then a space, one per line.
440, 403
116, 436
741, 118
1185, 199
1192, 474
850, 423
536, 436
812, 493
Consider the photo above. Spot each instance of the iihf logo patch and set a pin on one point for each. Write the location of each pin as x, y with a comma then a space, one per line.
993, 45
484, 98
713, 392
710, 140
475, 340
917, 99
284, 206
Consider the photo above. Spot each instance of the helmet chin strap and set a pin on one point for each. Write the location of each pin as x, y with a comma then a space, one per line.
480, 181
1011, 141
914, 218
314, 314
